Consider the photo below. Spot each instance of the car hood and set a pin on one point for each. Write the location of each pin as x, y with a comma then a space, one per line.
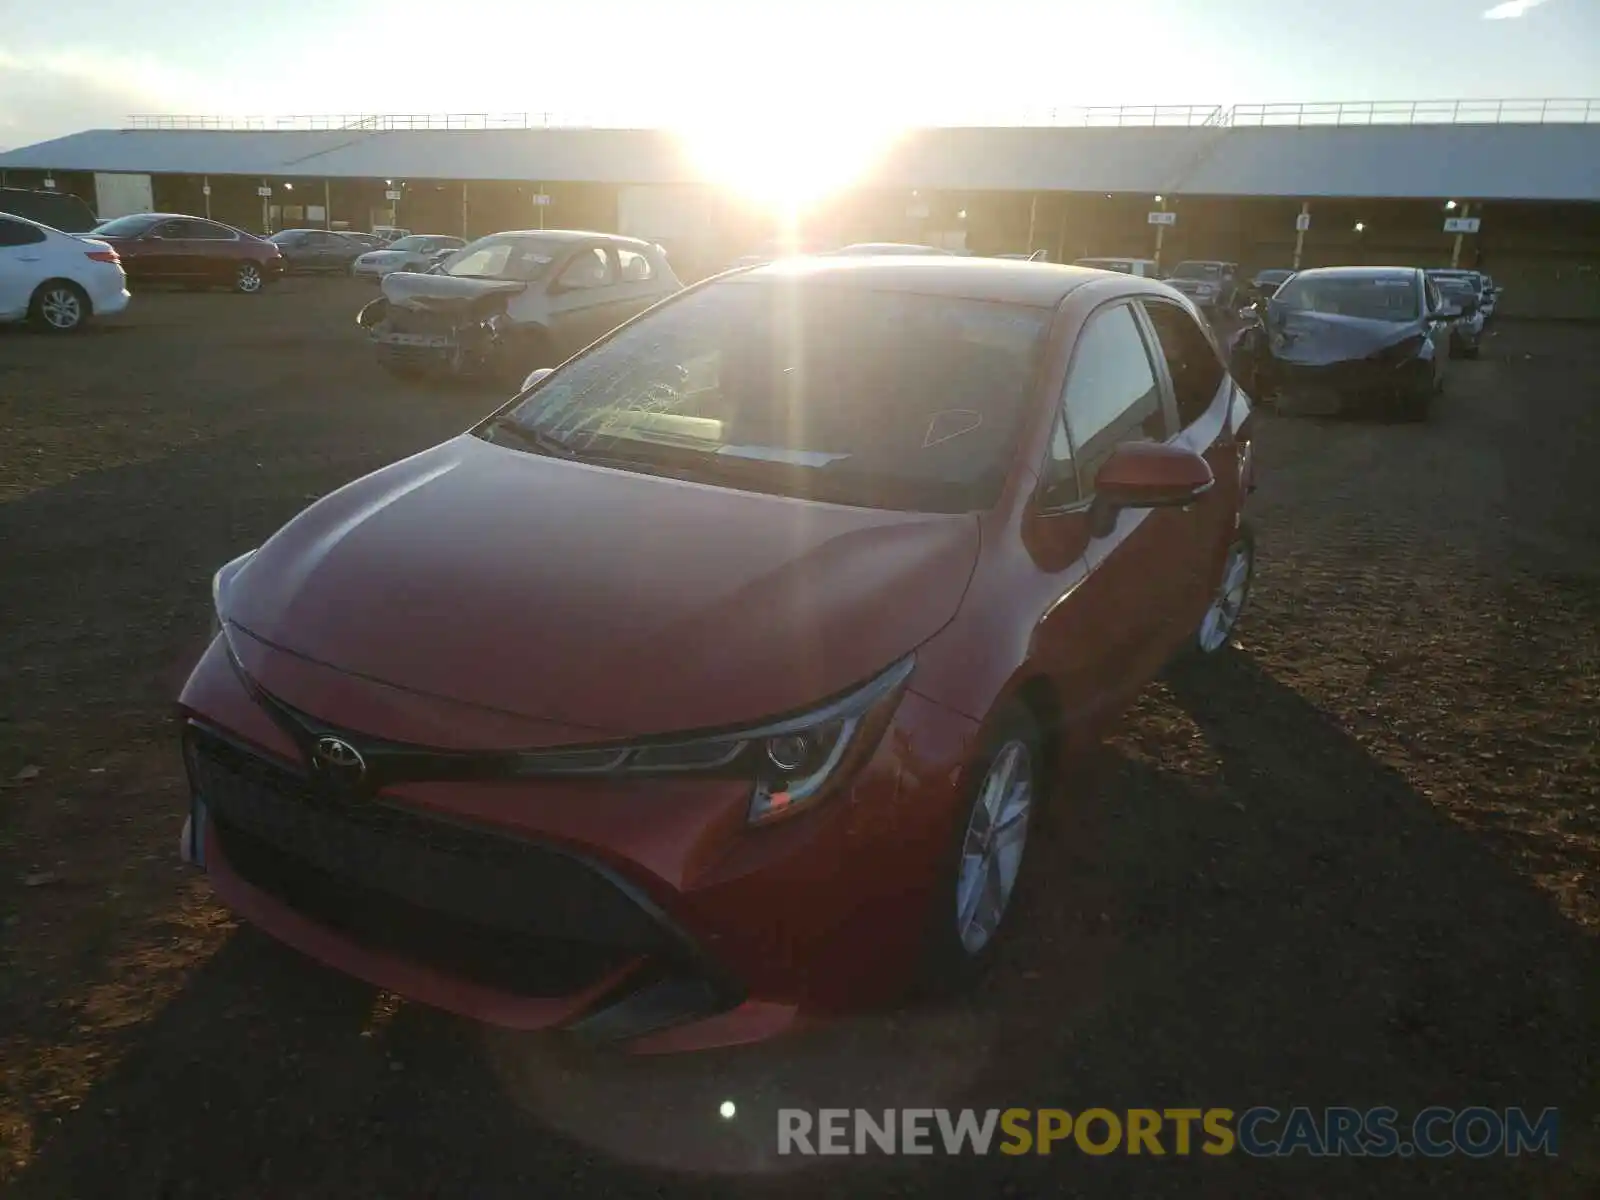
622, 603
442, 292
1317, 339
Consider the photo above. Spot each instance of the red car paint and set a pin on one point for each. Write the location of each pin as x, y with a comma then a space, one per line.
172, 248
477, 598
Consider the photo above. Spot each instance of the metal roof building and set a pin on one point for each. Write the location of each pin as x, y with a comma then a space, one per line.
1466, 149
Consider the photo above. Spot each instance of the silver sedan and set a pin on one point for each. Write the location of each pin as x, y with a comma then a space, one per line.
413, 253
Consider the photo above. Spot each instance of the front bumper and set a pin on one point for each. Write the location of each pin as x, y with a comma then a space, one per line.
643, 914
1343, 386
466, 349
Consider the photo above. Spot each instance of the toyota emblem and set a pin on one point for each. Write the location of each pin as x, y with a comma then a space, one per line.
339, 760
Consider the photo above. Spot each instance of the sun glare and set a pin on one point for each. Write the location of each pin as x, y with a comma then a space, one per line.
786, 165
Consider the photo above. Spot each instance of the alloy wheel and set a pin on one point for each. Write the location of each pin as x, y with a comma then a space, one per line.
991, 851
1223, 614
61, 308
249, 278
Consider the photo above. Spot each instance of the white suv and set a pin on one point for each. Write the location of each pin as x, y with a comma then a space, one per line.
56, 279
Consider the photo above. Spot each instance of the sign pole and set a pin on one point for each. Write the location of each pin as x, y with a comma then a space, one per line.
327, 205
1455, 250
463, 208
1301, 224
266, 196
1161, 236
1033, 219
205, 190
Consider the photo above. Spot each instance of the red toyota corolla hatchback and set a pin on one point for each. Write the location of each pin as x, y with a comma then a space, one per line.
712, 683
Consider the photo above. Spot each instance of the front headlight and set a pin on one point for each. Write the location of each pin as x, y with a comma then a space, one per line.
792, 763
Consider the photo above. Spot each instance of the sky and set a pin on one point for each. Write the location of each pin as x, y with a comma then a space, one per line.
90, 63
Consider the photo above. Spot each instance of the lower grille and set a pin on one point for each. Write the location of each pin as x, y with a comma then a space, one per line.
467, 901
503, 959
405, 320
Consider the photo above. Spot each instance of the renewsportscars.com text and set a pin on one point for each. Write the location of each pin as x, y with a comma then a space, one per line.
1260, 1132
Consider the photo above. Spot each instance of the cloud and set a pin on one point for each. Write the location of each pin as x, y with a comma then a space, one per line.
1510, 10
49, 95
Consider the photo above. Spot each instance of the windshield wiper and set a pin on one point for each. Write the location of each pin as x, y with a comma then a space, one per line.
534, 437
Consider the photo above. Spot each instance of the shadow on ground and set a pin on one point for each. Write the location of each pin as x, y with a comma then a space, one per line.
1267, 917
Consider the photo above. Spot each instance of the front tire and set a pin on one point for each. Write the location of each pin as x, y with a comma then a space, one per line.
1215, 635
988, 853
59, 306
248, 279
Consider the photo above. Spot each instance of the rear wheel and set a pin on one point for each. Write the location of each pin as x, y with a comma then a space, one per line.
248, 278
1215, 634
59, 306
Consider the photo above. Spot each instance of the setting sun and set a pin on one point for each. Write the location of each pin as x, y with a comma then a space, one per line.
785, 164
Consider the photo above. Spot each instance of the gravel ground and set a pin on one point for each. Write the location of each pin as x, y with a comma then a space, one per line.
1358, 865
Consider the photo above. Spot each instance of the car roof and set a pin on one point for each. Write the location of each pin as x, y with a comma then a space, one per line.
1006, 280
1358, 272
570, 235
869, 247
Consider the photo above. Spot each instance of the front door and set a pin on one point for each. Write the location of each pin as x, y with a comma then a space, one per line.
585, 300
1111, 629
166, 252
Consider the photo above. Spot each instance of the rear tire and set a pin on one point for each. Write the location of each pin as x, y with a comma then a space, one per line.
988, 850
59, 306
1214, 638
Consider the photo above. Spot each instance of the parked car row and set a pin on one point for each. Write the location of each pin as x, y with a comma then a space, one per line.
740, 651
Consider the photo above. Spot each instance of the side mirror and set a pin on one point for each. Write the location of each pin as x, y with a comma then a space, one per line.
535, 376
1149, 475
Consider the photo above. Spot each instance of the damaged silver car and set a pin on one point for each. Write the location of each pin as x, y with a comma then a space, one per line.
511, 302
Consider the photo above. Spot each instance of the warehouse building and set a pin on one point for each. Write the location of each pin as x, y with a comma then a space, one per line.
1511, 188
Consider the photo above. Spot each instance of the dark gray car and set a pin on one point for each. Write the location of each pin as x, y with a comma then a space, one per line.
307, 250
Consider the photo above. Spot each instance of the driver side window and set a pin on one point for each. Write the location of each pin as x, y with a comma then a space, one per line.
1111, 396
590, 268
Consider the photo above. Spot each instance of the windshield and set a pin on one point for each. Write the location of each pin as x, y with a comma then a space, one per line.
523, 259
1370, 297
880, 399
409, 243
1197, 270
126, 226
1457, 289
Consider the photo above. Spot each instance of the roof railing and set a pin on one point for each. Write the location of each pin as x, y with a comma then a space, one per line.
1347, 112
1096, 115
1418, 112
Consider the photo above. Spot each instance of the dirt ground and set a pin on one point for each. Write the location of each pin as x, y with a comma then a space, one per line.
1359, 865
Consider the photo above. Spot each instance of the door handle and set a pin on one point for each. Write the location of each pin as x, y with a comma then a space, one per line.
27, 258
